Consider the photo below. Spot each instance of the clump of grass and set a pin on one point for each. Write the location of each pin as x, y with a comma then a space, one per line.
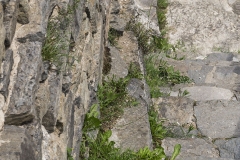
112, 95
69, 154
157, 129
161, 13
134, 71
147, 41
144, 36
113, 36
56, 45
159, 73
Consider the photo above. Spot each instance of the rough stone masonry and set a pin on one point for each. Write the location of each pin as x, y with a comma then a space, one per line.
42, 110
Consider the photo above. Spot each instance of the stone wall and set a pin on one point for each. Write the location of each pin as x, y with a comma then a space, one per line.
41, 109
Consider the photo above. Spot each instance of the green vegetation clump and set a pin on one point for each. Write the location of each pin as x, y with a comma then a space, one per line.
161, 13
159, 73
56, 46
100, 148
158, 131
113, 36
113, 97
112, 100
147, 41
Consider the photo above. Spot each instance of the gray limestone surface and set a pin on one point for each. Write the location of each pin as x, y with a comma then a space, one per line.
203, 26
132, 129
190, 148
205, 93
229, 148
218, 118
175, 110
119, 67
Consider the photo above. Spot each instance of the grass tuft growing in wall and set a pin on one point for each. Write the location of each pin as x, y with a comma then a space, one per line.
56, 44
159, 74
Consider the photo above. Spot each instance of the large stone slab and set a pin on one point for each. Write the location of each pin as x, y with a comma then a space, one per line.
187, 22
49, 120
204, 93
222, 57
229, 148
191, 149
21, 108
218, 118
132, 129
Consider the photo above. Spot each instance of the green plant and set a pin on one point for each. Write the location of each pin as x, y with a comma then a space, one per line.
143, 35
147, 41
157, 129
112, 93
92, 121
159, 73
54, 43
177, 149
183, 94
113, 35
69, 154
146, 153
112, 99
134, 71
161, 13
56, 46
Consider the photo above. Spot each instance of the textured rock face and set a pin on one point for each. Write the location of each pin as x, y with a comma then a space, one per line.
208, 122
16, 144
187, 22
42, 108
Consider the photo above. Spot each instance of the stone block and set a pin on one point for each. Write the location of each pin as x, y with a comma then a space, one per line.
218, 118
55, 89
175, 110
118, 67
194, 149
204, 93
21, 107
132, 129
